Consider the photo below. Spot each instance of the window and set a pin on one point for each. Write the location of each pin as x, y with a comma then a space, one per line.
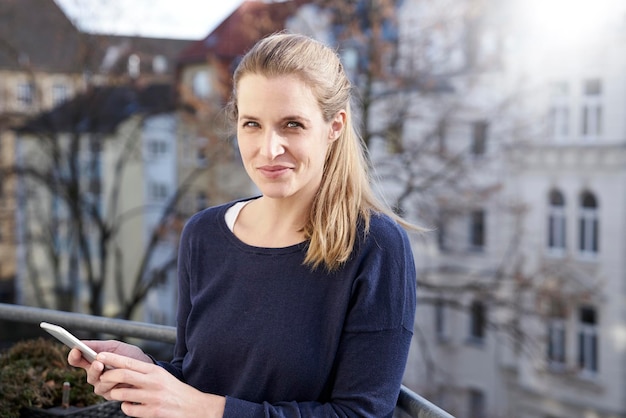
559, 111
588, 341
200, 84
441, 134
201, 158
25, 94
476, 405
556, 334
556, 222
159, 64
478, 318
156, 148
592, 109
477, 230
60, 93
201, 201
440, 319
134, 66
442, 241
588, 234
479, 138
157, 191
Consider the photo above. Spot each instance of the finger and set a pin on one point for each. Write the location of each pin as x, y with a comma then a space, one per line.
122, 378
122, 362
94, 372
133, 409
75, 358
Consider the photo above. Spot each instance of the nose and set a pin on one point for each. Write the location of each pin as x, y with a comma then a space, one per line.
273, 145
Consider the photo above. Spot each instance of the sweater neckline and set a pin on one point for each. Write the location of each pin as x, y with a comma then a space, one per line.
251, 248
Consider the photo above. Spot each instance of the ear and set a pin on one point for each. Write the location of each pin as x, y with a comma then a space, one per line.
337, 125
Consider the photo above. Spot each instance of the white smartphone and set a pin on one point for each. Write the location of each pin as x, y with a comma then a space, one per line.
69, 340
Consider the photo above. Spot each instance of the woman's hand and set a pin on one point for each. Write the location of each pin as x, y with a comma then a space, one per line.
148, 390
95, 369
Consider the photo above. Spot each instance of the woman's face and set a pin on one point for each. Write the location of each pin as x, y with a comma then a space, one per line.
282, 136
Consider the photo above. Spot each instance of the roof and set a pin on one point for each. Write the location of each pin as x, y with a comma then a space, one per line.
102, 109
115, 50
37, 35
251, 21
32, 33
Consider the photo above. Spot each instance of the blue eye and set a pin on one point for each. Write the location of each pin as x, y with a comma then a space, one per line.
293, 124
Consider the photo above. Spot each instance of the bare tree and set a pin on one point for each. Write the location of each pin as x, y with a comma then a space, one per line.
439, 128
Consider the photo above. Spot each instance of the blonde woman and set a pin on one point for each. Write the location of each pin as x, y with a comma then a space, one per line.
299, 302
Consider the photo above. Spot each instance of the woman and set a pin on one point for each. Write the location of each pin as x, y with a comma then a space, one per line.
296, 303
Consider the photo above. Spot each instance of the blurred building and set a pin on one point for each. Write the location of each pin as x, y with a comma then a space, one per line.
63, 88
482, 123
521, 311
140, 138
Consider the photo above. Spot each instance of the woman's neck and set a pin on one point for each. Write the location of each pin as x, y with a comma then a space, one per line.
273, 223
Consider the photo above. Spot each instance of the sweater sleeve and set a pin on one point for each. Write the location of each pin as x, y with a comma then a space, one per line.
374, 345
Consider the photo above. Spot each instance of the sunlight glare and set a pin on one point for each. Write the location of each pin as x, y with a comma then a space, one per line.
568, 23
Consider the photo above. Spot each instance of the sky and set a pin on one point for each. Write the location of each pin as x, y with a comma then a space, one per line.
180, 19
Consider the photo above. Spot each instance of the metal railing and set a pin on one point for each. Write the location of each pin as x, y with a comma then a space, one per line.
410, 404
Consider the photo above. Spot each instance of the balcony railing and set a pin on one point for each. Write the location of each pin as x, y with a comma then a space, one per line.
410, 404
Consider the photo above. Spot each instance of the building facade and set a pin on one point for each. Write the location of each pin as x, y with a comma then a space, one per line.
522, 290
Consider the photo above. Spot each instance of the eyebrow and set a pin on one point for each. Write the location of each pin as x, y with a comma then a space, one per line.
283, 119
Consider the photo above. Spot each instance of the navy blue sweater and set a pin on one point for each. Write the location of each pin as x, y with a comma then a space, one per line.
280, 340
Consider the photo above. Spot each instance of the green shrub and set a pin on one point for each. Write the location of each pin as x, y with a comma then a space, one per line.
32, 373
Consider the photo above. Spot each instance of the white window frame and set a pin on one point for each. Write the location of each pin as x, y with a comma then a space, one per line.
556, 343
589, 228
157, 191
560, 112
476, 403
557, 224
480, 135
25, 95
591, 110
588, 342
559, 121
477, 233
60, 93
477, 321
156, 148
201, 84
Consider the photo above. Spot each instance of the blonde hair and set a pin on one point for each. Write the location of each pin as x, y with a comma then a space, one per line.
345, 196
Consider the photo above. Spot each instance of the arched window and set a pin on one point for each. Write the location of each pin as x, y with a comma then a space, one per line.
588, 223
556, 222
588, 340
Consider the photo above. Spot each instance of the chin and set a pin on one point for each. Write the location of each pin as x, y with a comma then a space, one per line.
275, 194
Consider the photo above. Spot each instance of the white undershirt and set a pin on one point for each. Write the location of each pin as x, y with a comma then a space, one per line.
233, 212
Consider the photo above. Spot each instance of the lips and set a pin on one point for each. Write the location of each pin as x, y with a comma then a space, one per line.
274, 171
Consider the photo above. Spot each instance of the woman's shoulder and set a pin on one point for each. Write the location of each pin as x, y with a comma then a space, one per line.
385, 229
211, 215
